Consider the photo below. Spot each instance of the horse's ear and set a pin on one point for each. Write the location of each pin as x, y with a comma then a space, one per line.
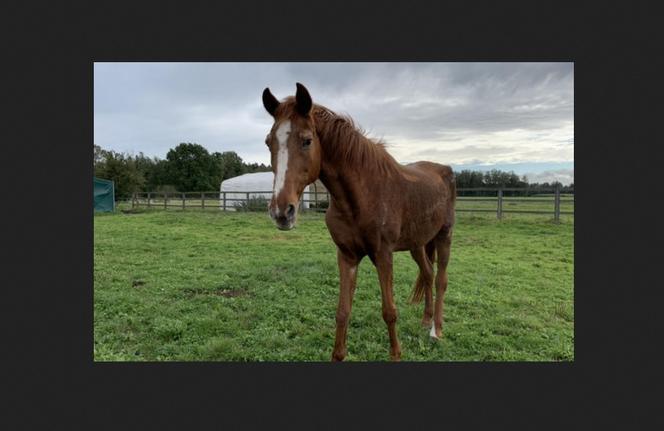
270, 102
302, 99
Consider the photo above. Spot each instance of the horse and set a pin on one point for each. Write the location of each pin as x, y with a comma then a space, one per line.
377, 206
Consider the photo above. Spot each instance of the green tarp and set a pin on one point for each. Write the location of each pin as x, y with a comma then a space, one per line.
104, 196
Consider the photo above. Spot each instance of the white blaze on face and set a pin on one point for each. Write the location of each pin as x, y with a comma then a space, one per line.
282, 156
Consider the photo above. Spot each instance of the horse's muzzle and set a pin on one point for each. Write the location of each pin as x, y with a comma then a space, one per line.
285, 220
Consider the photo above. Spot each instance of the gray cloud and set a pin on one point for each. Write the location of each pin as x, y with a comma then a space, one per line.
447, 112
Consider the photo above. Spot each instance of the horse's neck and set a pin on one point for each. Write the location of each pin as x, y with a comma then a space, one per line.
346, 183
347, 193
348, 179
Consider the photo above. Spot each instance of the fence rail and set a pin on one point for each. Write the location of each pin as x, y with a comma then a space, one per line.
481, 200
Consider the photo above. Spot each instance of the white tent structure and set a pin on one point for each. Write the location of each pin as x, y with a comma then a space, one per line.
258, 184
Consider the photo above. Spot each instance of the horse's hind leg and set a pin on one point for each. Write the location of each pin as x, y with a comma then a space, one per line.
443, 241
423, 256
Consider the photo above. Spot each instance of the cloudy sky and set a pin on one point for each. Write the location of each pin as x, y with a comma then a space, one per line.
510, 116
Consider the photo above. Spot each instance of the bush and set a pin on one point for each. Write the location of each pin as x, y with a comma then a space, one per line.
256, 204
166, 188
321, 205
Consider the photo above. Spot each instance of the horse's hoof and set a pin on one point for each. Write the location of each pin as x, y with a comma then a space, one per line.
338, 356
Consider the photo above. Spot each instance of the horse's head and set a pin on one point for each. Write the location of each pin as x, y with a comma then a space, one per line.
296, 153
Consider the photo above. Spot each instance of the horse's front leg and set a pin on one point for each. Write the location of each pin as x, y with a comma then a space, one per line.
383, 262
347, 279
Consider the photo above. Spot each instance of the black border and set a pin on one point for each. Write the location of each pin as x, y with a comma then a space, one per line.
55, 381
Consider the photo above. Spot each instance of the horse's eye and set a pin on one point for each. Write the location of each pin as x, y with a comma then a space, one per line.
306, 143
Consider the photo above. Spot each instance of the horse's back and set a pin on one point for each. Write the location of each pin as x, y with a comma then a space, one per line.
443, 171
432, 173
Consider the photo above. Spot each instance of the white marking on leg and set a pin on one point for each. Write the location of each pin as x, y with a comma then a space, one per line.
282, 157
432, 333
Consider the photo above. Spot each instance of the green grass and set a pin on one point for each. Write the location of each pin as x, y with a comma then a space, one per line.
213, 286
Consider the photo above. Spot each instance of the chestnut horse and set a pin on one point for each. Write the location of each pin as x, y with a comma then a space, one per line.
377, 206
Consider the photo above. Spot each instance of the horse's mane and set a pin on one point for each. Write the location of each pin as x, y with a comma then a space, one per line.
346, 142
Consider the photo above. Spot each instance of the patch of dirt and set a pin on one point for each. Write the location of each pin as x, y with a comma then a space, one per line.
230, 293
137, 283
226, 293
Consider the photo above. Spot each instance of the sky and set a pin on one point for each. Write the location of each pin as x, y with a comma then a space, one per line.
510, 116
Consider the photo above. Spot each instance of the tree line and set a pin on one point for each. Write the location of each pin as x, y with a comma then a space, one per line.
496, 179
189, 167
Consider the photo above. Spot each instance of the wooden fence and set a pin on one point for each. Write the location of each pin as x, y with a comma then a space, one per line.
500, 201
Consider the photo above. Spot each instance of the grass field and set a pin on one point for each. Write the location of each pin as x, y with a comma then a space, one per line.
213, 286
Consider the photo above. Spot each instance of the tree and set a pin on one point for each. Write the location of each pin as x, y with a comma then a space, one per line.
99, 155
191, 168
255, 167
157, 177
122, 170
231, 164
187, 167
469, 179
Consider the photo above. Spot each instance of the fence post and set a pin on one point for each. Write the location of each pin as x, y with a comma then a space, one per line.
133, 200
224, 194
556, 204
247, 201
164, 200
315, 196
149, 197
202, 200
183, 200
500, 204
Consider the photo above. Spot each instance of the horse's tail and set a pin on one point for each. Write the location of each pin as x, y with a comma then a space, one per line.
419, 288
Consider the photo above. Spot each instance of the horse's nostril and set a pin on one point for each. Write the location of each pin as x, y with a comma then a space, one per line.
290, 212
